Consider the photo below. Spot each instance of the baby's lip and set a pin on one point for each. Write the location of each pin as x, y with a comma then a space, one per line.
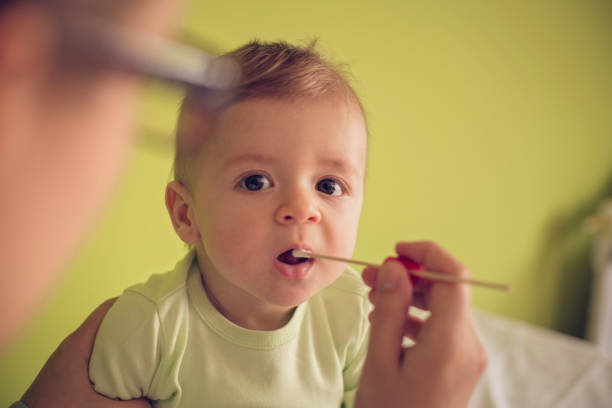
287, 257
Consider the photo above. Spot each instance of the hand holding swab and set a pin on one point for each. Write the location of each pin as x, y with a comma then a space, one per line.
414, 268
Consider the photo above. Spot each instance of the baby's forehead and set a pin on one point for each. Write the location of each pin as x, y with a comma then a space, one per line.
258, 115
285, 123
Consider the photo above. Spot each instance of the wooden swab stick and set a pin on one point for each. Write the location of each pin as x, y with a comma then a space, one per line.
298, 253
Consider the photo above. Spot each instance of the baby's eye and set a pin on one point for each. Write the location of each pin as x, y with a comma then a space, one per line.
330, 187
255, 182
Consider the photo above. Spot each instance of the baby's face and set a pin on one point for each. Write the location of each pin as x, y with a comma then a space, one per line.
278, 175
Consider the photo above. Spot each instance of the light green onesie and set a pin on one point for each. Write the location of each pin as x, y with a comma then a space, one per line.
164, 340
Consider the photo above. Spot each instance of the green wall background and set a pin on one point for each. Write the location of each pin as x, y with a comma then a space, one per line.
491, 133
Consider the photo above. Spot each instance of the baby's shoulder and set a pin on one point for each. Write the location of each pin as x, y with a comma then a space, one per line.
164, 287
142, 337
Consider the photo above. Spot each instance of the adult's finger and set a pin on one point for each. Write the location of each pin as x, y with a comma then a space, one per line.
369, 276
393, 297
412, 326
449, 327
432, 256
445, 299
418, 291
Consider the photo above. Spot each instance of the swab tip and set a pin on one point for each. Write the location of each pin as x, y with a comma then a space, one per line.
300, 253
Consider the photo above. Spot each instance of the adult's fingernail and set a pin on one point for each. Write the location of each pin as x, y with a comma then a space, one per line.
388, 279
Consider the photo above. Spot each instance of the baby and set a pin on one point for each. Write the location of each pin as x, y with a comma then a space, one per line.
240, 321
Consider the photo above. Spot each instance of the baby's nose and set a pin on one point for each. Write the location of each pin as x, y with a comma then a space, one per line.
298, 208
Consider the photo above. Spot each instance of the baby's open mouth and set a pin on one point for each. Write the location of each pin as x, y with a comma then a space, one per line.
288, 258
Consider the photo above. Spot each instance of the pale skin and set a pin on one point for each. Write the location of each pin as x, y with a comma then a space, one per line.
305, 160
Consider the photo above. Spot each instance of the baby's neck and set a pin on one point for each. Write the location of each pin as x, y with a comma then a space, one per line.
247, 318
243, 310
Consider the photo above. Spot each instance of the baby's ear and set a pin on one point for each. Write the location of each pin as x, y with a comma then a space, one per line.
178, 203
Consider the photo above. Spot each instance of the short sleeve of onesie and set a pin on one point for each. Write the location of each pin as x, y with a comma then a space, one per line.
126, 352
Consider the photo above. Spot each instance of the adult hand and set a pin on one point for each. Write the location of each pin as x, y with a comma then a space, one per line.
64, 380
443, 367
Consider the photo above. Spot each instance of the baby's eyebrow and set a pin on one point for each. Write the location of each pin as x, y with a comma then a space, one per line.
340, 165
337, 164
249, 157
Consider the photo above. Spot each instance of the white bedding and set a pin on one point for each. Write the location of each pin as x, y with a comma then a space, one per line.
533, 367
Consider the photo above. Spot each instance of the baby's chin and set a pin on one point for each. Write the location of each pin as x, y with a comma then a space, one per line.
290, 300
293, 296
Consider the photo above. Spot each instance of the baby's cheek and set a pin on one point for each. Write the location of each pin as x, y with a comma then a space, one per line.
237, 245
344, 234
221, 243
232, 248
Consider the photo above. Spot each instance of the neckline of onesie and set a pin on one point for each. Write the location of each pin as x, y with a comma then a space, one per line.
255, 339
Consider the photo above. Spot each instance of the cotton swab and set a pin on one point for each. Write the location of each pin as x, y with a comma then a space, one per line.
412, 266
